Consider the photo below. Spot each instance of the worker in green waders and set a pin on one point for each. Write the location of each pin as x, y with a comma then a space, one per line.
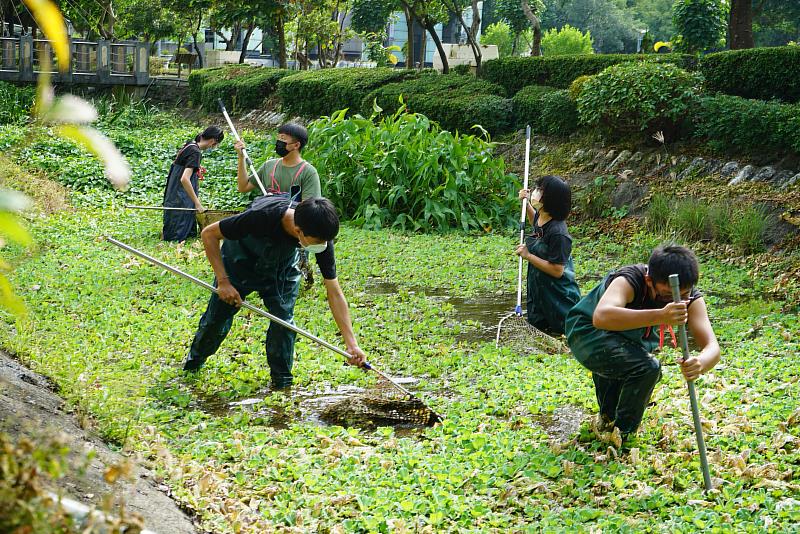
259, 255
614, 329
552, 289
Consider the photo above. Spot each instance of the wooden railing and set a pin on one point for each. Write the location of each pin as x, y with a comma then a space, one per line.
97, 63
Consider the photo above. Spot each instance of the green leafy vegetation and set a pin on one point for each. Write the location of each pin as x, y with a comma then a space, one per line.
112, 332
15, 102
699, 25
566, 41
402, 171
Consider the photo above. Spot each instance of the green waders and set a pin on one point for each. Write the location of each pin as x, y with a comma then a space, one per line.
623, 369
275, 277
549, 299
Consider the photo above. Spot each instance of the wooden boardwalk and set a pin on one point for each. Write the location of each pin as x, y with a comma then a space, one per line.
102, 63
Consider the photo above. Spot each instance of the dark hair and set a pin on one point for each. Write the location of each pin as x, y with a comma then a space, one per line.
670, 259
317, 218
556, 196
212, 132
297, 131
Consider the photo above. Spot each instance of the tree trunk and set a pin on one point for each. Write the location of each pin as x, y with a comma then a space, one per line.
423, 46
339, 39
246, 41
471, 31
471, 39
200, 50
322, 55
438, 42
410, 40
476, 19
230, 44
281, 29
740, 25
222, 37
536, 24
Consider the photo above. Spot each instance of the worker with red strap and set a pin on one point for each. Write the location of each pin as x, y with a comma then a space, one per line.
614, 330
289, 173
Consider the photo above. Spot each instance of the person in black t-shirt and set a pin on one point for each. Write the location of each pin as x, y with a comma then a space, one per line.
259, 254
183, 185
552, 289
614, 329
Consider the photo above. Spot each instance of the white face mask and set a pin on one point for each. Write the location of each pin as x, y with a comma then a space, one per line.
316, 249
536, 199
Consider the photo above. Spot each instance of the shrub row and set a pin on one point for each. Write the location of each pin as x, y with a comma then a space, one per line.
240, 86
639, 97
732, 122
200, 77
546, 109
314, 93
456, 102
763, 73
514, 73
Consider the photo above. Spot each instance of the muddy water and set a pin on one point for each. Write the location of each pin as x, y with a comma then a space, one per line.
310, 404
485, 309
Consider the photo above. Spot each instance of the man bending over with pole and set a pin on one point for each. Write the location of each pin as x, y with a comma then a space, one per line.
259, 254
613, 330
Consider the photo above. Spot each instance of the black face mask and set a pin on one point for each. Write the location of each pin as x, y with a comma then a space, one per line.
280, 148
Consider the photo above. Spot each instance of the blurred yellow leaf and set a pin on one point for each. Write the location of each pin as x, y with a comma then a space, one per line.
116, 166
9, 300
50, 21
12, 228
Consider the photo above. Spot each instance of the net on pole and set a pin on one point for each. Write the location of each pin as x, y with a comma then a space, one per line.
516, 333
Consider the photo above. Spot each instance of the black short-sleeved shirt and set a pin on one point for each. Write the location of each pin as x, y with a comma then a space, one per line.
634, 275
189, 156
555, 236
263, 219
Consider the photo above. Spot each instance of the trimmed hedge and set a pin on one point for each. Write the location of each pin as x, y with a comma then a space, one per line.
514, 73
763, 73
200, 77
526, 105
239, 86
732, 122
455, 101
246, 91
315, 93
559, 114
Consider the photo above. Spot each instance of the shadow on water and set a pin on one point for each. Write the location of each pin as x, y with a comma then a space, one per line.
485, 309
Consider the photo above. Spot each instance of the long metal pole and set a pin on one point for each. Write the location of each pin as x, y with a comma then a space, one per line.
244, 151
518, 309
160, 208
698, 427
262, 313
